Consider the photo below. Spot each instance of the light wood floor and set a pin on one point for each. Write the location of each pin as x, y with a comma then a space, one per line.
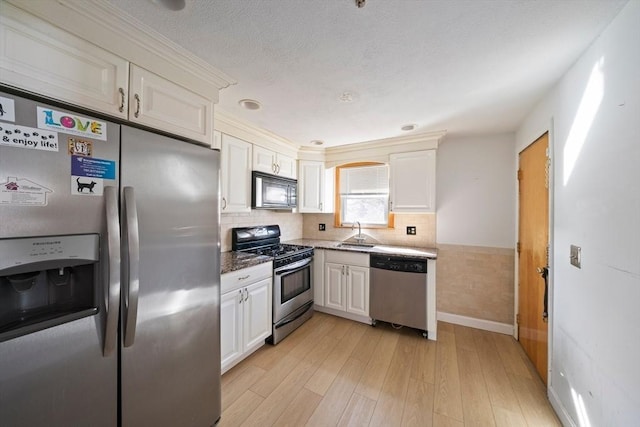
335, 372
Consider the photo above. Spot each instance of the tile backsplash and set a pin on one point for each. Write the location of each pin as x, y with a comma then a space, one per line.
425, 230
476, 282
290, 224
298, 226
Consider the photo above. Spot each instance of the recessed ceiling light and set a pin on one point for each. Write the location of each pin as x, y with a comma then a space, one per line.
317, 142
250, 104
407, 128
173, 5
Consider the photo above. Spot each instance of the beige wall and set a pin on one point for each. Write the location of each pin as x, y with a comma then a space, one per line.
476, 282
290, 224
425, 227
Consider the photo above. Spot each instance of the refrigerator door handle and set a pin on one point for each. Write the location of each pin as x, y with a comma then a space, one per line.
112, 302
131, 277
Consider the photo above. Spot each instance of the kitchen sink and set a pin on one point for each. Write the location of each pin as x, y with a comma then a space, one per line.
355, 245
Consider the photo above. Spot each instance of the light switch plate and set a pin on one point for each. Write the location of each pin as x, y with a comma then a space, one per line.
575, 256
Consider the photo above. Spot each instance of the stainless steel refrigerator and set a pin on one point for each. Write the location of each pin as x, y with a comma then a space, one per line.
109, 272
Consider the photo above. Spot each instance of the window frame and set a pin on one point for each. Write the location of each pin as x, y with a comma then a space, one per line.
337, 212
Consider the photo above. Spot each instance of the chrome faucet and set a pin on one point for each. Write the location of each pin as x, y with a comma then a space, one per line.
359, 237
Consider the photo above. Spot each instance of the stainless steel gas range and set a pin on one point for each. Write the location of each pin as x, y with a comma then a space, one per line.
292, 276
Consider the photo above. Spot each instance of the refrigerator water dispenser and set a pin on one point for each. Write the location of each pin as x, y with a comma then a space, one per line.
46, 281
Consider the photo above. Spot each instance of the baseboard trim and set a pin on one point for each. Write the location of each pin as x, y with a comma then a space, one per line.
472, 322
561, 411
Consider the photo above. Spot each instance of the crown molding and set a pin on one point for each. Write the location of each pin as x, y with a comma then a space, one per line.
380, 149
106, 26
428, 138
232, 125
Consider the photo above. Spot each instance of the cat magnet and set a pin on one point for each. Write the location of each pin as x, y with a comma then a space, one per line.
86, 186
88, 175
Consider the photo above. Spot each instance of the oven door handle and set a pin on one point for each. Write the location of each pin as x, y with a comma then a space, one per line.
293, 317
289, 268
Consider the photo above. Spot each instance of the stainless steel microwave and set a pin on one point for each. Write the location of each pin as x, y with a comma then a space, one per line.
273, 192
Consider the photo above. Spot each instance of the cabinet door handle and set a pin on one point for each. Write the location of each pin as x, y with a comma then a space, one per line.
246, 292
224, 206
277, 168
343, 270
390, 206
137, 98
121, 108
240, 300
347, 270
320, 206
244, 277
273, 167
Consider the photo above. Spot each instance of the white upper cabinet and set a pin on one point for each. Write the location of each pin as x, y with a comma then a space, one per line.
161, 104
413, 181
44, 59
235, 174
268, 161
315, 187
310, 186
217, 140
41, 58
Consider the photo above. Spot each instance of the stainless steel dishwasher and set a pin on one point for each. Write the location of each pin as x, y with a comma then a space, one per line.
398, 291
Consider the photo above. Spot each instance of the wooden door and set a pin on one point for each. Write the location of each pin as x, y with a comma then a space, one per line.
533, 178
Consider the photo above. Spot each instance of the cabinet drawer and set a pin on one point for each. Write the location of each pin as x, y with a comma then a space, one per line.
239, 278
347, 258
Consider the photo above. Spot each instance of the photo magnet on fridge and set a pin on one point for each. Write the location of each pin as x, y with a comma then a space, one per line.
7, 109
23, 192
79, 147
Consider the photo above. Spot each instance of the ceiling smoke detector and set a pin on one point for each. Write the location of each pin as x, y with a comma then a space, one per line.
409, 127
250, 104
317, 142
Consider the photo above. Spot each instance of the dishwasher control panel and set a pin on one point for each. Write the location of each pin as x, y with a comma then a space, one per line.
395, 263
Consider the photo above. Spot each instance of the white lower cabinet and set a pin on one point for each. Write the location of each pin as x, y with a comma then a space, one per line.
357, 290
245, 313
346, 285
318, 277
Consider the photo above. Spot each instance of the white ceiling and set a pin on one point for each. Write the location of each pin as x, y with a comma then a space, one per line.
468, 67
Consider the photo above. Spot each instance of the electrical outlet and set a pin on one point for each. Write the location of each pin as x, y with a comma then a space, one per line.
411, 229
321, 227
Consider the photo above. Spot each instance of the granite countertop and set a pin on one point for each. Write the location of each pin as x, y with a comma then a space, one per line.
232, 261
431, 253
